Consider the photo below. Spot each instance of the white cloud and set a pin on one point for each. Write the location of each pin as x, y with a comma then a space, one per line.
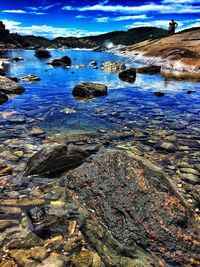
121, 18
46, 30
164, 8
14, 11
103, 19
81, 17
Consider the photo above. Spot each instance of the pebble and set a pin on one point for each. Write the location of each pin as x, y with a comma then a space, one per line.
36, 131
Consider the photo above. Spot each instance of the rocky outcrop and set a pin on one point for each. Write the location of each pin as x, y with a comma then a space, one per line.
89, 90
153, 69
128, 75
57, 158
10, 40
113, 66
42, 53
7, 86
63, 61
138, 203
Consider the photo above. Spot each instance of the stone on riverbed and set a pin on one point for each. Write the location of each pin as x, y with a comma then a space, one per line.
89, 90
128, 75
7, 86
113, 66
58, 158
138, 203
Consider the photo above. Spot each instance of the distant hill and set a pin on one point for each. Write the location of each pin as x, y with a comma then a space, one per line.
129, 37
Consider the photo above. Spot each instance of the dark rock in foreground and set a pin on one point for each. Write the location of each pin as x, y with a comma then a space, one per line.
89, 90
138, 203
63, 61
57, 158
7, 86
128, 75
149, 69
42, 53
158, 93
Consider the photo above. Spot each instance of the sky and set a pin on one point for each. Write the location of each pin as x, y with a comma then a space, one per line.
65, 18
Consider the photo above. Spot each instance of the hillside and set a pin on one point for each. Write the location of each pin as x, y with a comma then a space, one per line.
10, 40
180, 51
129, 37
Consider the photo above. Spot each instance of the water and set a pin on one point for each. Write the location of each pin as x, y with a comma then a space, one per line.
126, 105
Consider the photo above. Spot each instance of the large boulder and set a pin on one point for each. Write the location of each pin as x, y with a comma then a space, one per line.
42, 53
63, 61
7, 86
89, 90
113, 66
57, 158
128, 75
153, 69
137, 202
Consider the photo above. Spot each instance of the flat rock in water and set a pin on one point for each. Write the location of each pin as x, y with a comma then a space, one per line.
89, 90
30, 78
138, 203
7, 86
58, 158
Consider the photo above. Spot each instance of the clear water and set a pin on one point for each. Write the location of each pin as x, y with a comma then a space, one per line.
130, 105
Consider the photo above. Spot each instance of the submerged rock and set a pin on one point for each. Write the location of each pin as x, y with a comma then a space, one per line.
128, 75
58, 158
42, 53
158, 93
138, 203
30, 78
18, 58
7, 86
89, 90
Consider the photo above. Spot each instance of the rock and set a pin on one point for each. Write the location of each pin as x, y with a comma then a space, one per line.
7, 86
93, 63
113, 66
128, 75
158, 93
89, 90
36, 214
30, 78
15, 79
18, 153
153, 69
68, 111
165, 146
58, 158
190, 178
36, 132
5, 170
3, 98
17, 58
25, 240
63, 61
42, 53
137, 202
190, 92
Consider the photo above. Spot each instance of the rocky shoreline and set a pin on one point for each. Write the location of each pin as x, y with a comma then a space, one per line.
113, 198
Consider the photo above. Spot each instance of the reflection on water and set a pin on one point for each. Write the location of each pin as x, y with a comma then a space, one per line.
132, 105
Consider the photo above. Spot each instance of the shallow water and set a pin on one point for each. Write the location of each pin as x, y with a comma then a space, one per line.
126, 105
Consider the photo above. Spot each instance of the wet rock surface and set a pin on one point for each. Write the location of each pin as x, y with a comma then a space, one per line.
7, 86
128, 75
42, 53
153, 69
89, 90
63, 61
113, 66
138, 203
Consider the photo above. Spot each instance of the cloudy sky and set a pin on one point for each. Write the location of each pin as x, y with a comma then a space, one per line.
51, 19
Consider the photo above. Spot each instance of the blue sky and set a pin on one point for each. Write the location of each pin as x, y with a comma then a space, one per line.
51, 19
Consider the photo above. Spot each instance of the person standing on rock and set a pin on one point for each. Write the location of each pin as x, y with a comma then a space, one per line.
172, 26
